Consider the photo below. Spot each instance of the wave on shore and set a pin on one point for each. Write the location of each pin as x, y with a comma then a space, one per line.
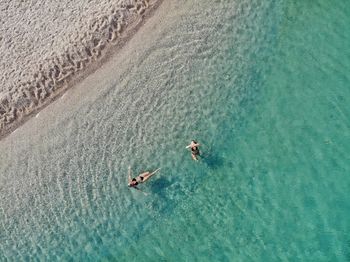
42, 55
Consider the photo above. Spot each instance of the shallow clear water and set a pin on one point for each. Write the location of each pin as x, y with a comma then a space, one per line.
264, 88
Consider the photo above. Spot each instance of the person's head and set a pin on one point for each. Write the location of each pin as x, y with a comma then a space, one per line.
194, 142
133, 182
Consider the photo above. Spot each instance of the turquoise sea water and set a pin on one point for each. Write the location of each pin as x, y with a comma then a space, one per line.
263, 87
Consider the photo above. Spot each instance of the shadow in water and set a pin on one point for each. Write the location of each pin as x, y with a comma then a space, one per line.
166, 194
159, 186
212, 159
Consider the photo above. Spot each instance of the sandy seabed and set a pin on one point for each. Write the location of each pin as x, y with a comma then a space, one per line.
48, 45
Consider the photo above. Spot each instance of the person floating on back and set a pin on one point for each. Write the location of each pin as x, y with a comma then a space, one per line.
133, 182
194, 150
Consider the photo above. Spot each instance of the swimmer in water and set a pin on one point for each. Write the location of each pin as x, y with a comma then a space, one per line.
194, 150
133, 182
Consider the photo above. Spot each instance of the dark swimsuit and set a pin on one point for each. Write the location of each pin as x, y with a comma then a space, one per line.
195, 151
132, 185
134, 179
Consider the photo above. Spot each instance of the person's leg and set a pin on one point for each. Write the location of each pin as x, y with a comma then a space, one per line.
194, 157
155, 171
147, 175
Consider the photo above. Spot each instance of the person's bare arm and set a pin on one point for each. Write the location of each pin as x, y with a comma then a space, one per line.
189, 146
129, 175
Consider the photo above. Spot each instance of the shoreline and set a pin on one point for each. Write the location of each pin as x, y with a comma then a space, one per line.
58, 90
